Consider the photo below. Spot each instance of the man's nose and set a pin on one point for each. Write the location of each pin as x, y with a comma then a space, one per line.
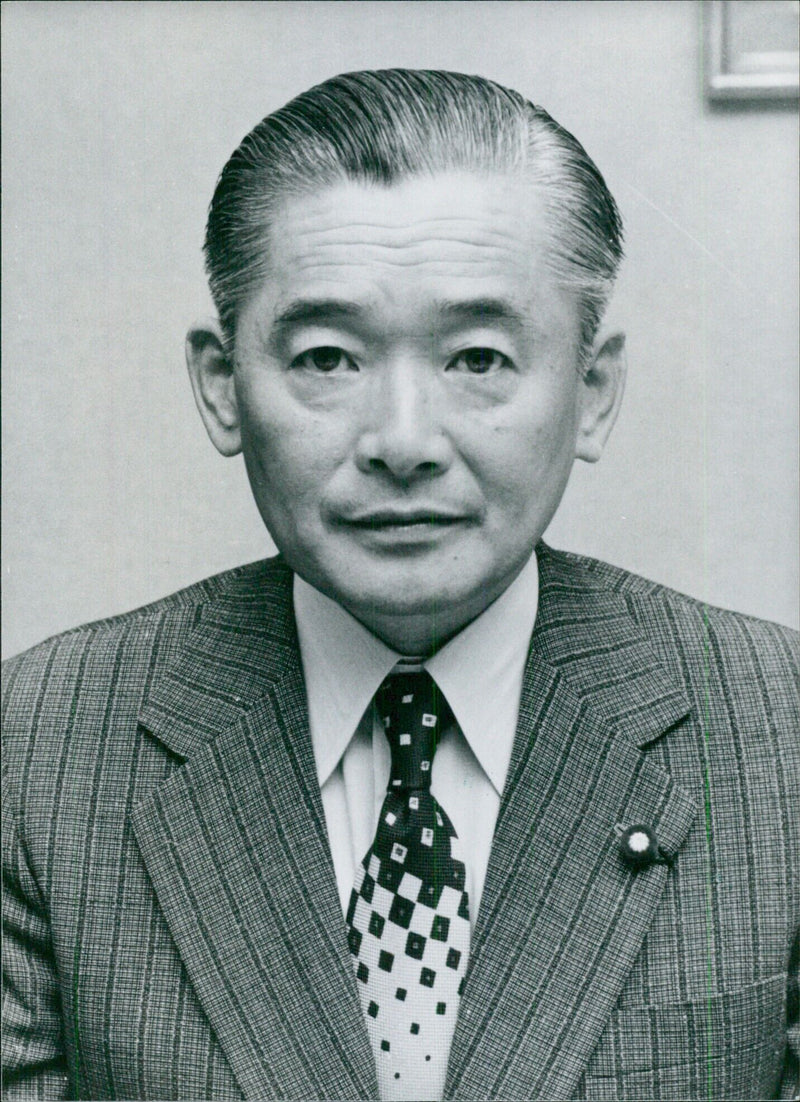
403, 433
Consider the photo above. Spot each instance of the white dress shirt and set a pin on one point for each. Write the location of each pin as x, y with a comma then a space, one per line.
479, 671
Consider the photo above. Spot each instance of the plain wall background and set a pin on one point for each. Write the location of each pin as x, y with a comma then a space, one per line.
117, 120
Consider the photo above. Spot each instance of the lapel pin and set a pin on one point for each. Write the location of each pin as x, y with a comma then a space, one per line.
638, 846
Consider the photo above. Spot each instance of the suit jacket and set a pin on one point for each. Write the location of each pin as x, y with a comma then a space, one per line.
174, 929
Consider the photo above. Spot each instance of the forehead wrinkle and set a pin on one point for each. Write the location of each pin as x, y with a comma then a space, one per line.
303, 233
349, 256
487, 266
474, 212
396, 224
477, 237
469, 230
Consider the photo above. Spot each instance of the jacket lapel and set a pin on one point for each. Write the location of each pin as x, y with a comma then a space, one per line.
562, 919
236, 849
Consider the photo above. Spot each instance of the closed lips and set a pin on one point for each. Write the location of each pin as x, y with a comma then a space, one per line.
389, 520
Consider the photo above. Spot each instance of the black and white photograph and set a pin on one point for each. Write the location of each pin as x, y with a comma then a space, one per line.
401, 550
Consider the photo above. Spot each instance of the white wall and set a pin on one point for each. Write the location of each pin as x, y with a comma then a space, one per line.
117, 119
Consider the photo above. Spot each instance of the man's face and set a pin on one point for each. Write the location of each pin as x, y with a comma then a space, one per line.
409, 396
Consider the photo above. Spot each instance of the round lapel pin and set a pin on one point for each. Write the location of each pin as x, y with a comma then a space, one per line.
638, 846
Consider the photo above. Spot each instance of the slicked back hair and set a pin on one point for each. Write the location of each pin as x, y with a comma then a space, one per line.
384, 126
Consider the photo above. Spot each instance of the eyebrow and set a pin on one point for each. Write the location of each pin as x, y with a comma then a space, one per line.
481, 310
310, 311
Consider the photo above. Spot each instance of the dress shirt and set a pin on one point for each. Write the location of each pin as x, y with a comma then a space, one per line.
479, 671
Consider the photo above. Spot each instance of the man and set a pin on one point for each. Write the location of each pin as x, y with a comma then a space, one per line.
421, 808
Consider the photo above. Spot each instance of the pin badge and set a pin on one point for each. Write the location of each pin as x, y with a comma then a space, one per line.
638, 846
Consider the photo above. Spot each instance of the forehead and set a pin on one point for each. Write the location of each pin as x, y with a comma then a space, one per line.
439, 235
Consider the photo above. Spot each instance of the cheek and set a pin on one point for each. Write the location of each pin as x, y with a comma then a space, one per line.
290, 455
528, 459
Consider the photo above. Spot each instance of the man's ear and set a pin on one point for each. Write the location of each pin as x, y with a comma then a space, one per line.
211, 374
602, 387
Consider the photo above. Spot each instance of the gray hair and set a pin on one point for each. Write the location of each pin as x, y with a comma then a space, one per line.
384, 126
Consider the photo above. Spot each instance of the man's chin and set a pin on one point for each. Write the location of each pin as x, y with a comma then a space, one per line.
416, 610
414, 604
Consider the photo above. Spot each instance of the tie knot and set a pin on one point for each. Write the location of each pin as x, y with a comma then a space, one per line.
413, 713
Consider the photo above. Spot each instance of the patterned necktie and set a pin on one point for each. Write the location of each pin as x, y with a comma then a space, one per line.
408, 918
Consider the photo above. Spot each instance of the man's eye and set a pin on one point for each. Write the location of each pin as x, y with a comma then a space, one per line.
478, 361
327, 359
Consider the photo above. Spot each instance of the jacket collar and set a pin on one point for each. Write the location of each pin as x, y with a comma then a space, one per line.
245, 640
586, 632
559, 916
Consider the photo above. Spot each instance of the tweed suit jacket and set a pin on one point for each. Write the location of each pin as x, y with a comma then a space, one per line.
173, 923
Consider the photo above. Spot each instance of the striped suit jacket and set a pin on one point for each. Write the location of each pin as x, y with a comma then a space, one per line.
173, 924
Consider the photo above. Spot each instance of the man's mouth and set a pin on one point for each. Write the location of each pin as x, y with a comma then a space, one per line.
392, 530
396, 519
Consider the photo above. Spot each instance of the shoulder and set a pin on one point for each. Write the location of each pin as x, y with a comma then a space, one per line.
729, 652
119, 656
73, 745
650, 601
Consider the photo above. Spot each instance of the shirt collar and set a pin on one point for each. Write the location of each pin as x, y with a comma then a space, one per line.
480, 672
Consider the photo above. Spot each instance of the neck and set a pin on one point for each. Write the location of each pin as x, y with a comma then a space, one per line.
417, 636
423, 634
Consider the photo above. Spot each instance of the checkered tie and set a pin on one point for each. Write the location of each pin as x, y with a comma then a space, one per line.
408, 918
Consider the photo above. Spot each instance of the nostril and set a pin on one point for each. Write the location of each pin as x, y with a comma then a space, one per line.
404, 450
